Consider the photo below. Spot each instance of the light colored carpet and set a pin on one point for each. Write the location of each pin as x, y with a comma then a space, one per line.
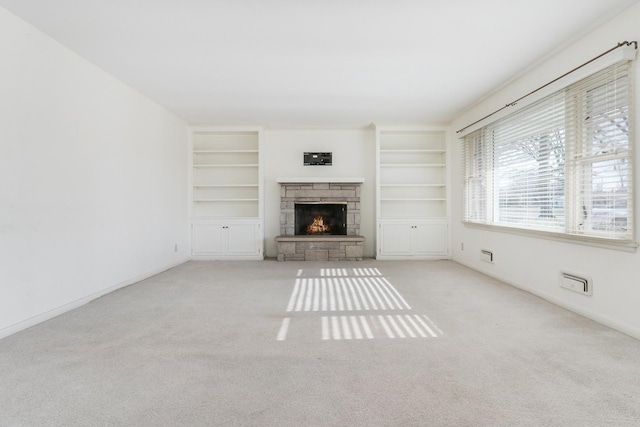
293, 344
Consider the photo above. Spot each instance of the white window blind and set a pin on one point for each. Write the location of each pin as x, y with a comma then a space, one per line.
562, 164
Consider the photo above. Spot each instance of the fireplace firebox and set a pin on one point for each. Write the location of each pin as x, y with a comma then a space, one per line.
320, 218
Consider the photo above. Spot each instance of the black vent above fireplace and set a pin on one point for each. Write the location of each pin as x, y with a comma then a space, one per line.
320, 218
318, 159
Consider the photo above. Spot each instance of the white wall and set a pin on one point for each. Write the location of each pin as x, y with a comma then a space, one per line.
353, 156
94, 180
533, 263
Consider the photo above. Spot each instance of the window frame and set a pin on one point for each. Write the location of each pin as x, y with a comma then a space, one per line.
481, 211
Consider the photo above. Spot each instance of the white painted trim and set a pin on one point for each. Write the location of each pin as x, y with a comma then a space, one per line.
413, 257
596, 317
621, 245
48, 315
230, 257
194, 127
324, 179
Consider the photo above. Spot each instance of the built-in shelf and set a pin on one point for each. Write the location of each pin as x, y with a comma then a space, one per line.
225, 185
223, 151
226, 179
413, 185
409, 165
413, 151
226, 188
224, 200
411, 193
412, 200
237, 165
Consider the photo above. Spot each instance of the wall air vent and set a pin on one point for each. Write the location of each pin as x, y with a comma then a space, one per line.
318, 159
577, 283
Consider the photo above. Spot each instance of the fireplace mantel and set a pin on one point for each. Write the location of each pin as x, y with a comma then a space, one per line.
321, 180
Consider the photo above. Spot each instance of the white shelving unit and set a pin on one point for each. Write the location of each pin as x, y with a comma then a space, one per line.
226, 193
411, 190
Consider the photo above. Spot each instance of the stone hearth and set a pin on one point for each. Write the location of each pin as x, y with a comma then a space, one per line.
320, 247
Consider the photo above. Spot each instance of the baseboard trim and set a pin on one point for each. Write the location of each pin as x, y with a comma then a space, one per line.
48, 315
227, 258
596, 317
412, 257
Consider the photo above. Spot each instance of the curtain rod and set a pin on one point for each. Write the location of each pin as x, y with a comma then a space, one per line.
511, 104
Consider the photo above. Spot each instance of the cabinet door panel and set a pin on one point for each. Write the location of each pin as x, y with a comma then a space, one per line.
431, 239
396, 239
208, 239
242, 239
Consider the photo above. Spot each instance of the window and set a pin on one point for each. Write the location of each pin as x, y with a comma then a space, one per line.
561, 165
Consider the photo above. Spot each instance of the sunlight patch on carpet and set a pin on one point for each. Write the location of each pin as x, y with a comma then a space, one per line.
346, 290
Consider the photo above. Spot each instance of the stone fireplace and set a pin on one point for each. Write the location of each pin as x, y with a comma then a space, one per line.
320, 219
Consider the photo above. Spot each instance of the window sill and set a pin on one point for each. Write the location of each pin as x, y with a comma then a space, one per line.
619, 245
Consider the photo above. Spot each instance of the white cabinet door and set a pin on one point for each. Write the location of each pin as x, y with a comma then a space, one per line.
226, 239
242, 239
395, 239
419, 239
431, 239
208, 239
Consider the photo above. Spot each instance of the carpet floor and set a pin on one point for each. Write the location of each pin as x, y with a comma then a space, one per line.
372, 343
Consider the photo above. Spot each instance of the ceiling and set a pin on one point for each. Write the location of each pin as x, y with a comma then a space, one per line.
305, 63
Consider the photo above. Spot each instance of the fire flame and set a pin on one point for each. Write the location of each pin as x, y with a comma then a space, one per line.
318, 226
